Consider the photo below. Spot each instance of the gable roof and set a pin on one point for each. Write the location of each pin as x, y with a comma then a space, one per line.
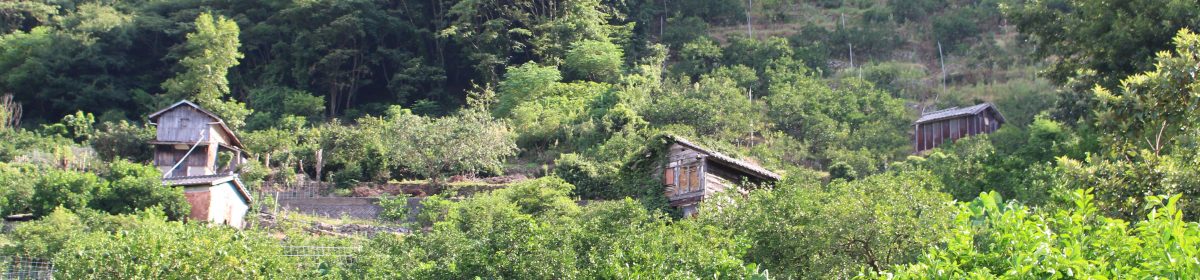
210, 180
233, 139
954, 112
749, 168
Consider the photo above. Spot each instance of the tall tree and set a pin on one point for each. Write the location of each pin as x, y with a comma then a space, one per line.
211, 50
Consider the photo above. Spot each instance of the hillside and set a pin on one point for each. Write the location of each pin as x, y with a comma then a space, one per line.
599, 139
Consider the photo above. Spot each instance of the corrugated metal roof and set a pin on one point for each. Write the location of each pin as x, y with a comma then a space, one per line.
754, 169
956, 112
209, 180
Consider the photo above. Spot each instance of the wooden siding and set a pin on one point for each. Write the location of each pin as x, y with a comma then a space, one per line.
166, 156
183, 124
930, 135
711, 177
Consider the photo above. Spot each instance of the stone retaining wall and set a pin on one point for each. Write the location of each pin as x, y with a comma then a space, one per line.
335, 206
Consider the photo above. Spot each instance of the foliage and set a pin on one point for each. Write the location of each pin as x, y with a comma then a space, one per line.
182, 250
212, 50
834, 122
715, 106
46, 237
134, 187
1092, 35
595, 60
993, 239
394, 208
70, 189
512, 233
1156, 108
123, 140
468, 142
871, 223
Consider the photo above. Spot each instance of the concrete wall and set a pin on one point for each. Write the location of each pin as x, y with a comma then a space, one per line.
336, 207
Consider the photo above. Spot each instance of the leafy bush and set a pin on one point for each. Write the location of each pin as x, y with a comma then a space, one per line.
136, 187
394, 208
595, 60
513, 234
124, 140
993, 239
154, 248
70, 189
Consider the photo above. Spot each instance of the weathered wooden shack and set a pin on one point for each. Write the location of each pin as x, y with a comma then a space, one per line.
188, 149
692, 173
944, 126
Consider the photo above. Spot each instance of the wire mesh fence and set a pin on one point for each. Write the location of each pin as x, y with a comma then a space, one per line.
25, 268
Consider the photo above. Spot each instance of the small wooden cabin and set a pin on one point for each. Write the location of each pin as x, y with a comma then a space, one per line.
938, 127
195, 149
692, 173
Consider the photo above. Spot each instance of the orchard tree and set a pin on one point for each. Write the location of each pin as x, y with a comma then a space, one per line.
467, 142
1156, 110
848, 226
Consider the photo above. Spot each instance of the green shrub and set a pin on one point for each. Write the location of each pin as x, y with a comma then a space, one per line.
154, 248
394, 208
993, 239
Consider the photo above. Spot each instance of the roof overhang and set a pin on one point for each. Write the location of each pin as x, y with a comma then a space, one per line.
746, 167
209, 181
956, 112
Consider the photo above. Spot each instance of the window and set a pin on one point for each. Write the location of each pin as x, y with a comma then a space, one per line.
183, 122
696, 177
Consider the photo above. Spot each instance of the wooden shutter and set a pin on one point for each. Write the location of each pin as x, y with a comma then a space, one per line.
669, 176
695, 178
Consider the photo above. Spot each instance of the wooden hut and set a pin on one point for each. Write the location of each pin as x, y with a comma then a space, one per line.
938, 127
692, 173
188, 149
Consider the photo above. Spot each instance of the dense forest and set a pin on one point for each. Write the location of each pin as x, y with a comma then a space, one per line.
1095, 173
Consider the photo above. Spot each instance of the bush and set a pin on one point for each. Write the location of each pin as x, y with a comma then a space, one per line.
495, 236
154, 248
70, 189
394, 208
135, 187
993, 239
124, 140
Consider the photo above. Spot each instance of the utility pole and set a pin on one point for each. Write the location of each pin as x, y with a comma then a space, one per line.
851, 55
942, 60
749, 23
750, 91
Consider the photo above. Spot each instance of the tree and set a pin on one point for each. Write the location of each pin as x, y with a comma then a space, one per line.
124, 140
1156, 110
211, 51
1112, 39
848, 226
598, 61
469, 142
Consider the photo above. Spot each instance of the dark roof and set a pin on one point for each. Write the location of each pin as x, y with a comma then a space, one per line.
233, 139
752, 169
958, 112
209, 180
